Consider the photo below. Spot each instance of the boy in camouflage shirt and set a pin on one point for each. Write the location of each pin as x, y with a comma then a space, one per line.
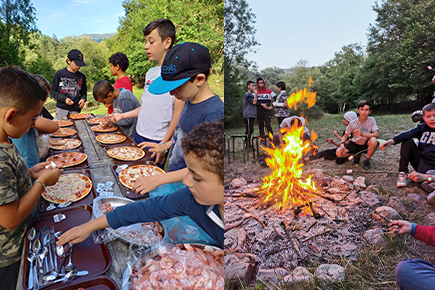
21, 101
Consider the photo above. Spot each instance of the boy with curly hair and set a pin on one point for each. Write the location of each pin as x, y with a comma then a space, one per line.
202, 200
118, 65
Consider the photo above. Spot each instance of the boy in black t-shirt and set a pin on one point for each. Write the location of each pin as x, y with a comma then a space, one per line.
68, 87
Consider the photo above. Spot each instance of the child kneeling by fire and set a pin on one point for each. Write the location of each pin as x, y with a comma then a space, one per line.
412, 274
202, 200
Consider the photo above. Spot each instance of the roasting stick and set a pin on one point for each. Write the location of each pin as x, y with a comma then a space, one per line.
374, 210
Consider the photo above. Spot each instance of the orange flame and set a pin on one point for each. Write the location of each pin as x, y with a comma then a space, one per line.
304, 95
285, 187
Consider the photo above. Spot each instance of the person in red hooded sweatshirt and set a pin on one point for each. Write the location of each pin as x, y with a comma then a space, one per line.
264, 108
414, 274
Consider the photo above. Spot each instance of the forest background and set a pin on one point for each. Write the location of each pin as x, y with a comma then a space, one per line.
22, 44
391, 70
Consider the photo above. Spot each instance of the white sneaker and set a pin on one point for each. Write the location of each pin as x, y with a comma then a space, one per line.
403, 180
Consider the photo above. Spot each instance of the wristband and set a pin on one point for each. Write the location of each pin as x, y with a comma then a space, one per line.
41, 183
164, 144
413, 228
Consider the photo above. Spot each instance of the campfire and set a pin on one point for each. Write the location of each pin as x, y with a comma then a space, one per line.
285, 187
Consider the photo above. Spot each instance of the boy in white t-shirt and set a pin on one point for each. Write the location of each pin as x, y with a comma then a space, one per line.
365, 134
158, 115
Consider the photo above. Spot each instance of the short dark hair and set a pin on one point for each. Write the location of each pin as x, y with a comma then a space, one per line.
364, 103
206, 141
260, 79
281, 85
20, 89
207, 73
44, 82
164, 27
249, 82
101, 90
298, 122
119, 59
429, 107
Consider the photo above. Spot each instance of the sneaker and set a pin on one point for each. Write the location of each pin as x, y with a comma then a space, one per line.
366, 164
431, 198
403, 180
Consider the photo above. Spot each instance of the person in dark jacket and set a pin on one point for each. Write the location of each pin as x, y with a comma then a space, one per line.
421, 156
250, 110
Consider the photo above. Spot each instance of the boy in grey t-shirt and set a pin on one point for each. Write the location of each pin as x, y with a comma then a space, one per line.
365, 134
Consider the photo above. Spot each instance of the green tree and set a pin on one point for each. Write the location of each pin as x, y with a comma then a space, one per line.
239, 39
17, 23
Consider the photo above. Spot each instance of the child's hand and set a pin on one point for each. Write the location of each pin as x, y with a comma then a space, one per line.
145, 184
75, 235
36, 171
115, 117
81, 103
49, 176
69, 102
400, 227
153, 147
357, 132
386, 144
329, 140
417, 176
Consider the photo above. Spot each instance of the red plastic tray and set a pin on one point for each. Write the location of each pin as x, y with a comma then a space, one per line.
85, 256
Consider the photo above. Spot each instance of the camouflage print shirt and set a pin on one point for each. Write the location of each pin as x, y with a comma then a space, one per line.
15, 182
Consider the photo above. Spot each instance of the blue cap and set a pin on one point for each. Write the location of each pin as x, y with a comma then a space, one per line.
182, 62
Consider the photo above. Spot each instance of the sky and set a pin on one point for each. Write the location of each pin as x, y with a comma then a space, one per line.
312, 30
76, 17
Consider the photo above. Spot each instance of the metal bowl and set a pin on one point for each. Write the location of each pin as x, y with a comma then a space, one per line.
121, 201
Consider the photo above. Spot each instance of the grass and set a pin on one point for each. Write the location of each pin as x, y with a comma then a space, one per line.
374, 267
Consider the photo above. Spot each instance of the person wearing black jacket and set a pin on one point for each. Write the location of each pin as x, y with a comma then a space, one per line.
68, 87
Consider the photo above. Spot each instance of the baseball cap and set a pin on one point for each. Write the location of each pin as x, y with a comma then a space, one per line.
182, 62
77, 57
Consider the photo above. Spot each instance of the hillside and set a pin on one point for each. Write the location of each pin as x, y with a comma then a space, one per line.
99, 37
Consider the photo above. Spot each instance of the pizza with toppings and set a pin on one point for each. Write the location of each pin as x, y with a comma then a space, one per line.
126, 153
64, 132
69, 187
111, 138
66, 144
78, 116
63, 123
103, 128
129, 175
68, 159
96, 120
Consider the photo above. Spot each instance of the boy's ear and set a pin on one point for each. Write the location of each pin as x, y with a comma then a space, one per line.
10, 114
200, 79
168, 42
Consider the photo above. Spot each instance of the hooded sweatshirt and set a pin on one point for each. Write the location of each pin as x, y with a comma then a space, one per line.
264, 96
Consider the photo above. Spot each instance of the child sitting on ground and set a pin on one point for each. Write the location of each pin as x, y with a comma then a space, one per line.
122, 99
202, 200
118, 65
22, 97
329, 154
421, 157
414, 274
365, 134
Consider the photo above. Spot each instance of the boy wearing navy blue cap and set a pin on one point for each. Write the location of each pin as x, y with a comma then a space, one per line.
184, 73
68, 87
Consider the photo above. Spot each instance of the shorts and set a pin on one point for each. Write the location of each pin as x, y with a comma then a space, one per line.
355, 148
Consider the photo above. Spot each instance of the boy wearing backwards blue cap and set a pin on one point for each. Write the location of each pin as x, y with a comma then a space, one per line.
184, 73
68, 87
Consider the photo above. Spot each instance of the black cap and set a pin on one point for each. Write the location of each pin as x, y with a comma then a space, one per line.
183, 61
77, 57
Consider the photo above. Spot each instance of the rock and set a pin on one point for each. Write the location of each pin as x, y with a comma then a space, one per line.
397, 204
372, 188
239, 268
349, 251
298, 275
375, 237
330, 272
348, 178
338, 182
360, 182
316, 173
238, 182
414, 196
388, 212
430, 219
248, 176
271, 275
371, 198
234, 238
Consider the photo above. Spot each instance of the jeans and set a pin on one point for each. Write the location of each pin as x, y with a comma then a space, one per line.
415, 274
139, 139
